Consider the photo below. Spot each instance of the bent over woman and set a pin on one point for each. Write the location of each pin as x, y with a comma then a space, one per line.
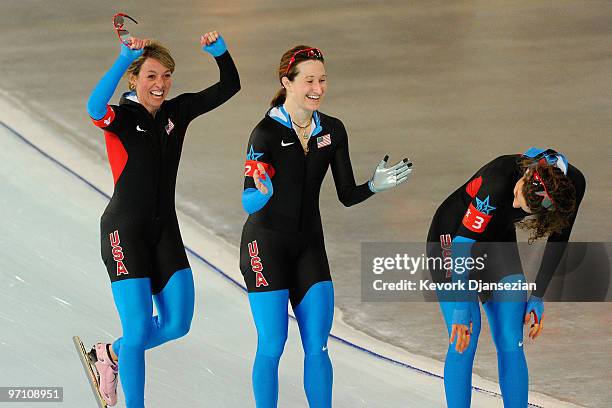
539, 191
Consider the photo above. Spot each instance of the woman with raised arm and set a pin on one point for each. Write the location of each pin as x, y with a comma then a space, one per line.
141, 242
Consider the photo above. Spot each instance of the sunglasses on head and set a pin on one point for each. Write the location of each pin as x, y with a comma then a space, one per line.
118, 22
310, 53
537, 181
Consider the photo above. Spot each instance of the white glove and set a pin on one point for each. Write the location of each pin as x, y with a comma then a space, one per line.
386, 178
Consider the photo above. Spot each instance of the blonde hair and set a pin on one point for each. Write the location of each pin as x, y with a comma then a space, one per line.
152, 50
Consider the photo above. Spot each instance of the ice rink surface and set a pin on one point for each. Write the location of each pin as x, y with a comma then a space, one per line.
449, 84
53, 286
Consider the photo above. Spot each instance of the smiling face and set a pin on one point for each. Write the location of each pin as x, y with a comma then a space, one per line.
152, 84
307, 89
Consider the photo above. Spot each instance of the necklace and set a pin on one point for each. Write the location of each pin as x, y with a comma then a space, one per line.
301, 127
303, 135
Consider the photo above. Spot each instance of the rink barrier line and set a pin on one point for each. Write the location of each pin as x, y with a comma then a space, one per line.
229, 278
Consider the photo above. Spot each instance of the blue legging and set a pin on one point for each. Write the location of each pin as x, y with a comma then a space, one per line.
142, 331
314, 315
505, 312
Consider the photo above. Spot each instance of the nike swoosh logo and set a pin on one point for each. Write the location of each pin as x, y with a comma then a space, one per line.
286, 144
324, 348
139, 129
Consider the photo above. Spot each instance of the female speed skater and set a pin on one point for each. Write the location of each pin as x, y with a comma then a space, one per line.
541, 192
282, 252
141, 242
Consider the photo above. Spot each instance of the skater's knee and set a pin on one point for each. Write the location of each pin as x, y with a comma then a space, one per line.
509, 337
178, 329
509, 342
315, 343
467, 355
136, 335
271, 346
454, 355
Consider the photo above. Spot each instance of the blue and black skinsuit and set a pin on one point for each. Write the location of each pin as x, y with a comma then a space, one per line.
282, 251
481, 212
141, 243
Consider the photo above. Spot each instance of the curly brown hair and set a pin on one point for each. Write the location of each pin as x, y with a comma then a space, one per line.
281, 94
152, 50
545, 221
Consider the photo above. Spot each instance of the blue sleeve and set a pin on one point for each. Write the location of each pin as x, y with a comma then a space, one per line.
100, 96
253, 200
461, 248
217, 48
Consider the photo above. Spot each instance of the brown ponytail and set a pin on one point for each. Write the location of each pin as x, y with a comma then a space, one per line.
279, 98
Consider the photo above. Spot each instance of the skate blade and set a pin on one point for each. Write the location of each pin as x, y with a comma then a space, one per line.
89, 371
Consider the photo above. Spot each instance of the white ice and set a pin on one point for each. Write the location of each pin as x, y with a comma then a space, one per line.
53, 285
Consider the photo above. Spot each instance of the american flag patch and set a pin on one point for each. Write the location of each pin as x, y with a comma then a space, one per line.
323, 141
169, 126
